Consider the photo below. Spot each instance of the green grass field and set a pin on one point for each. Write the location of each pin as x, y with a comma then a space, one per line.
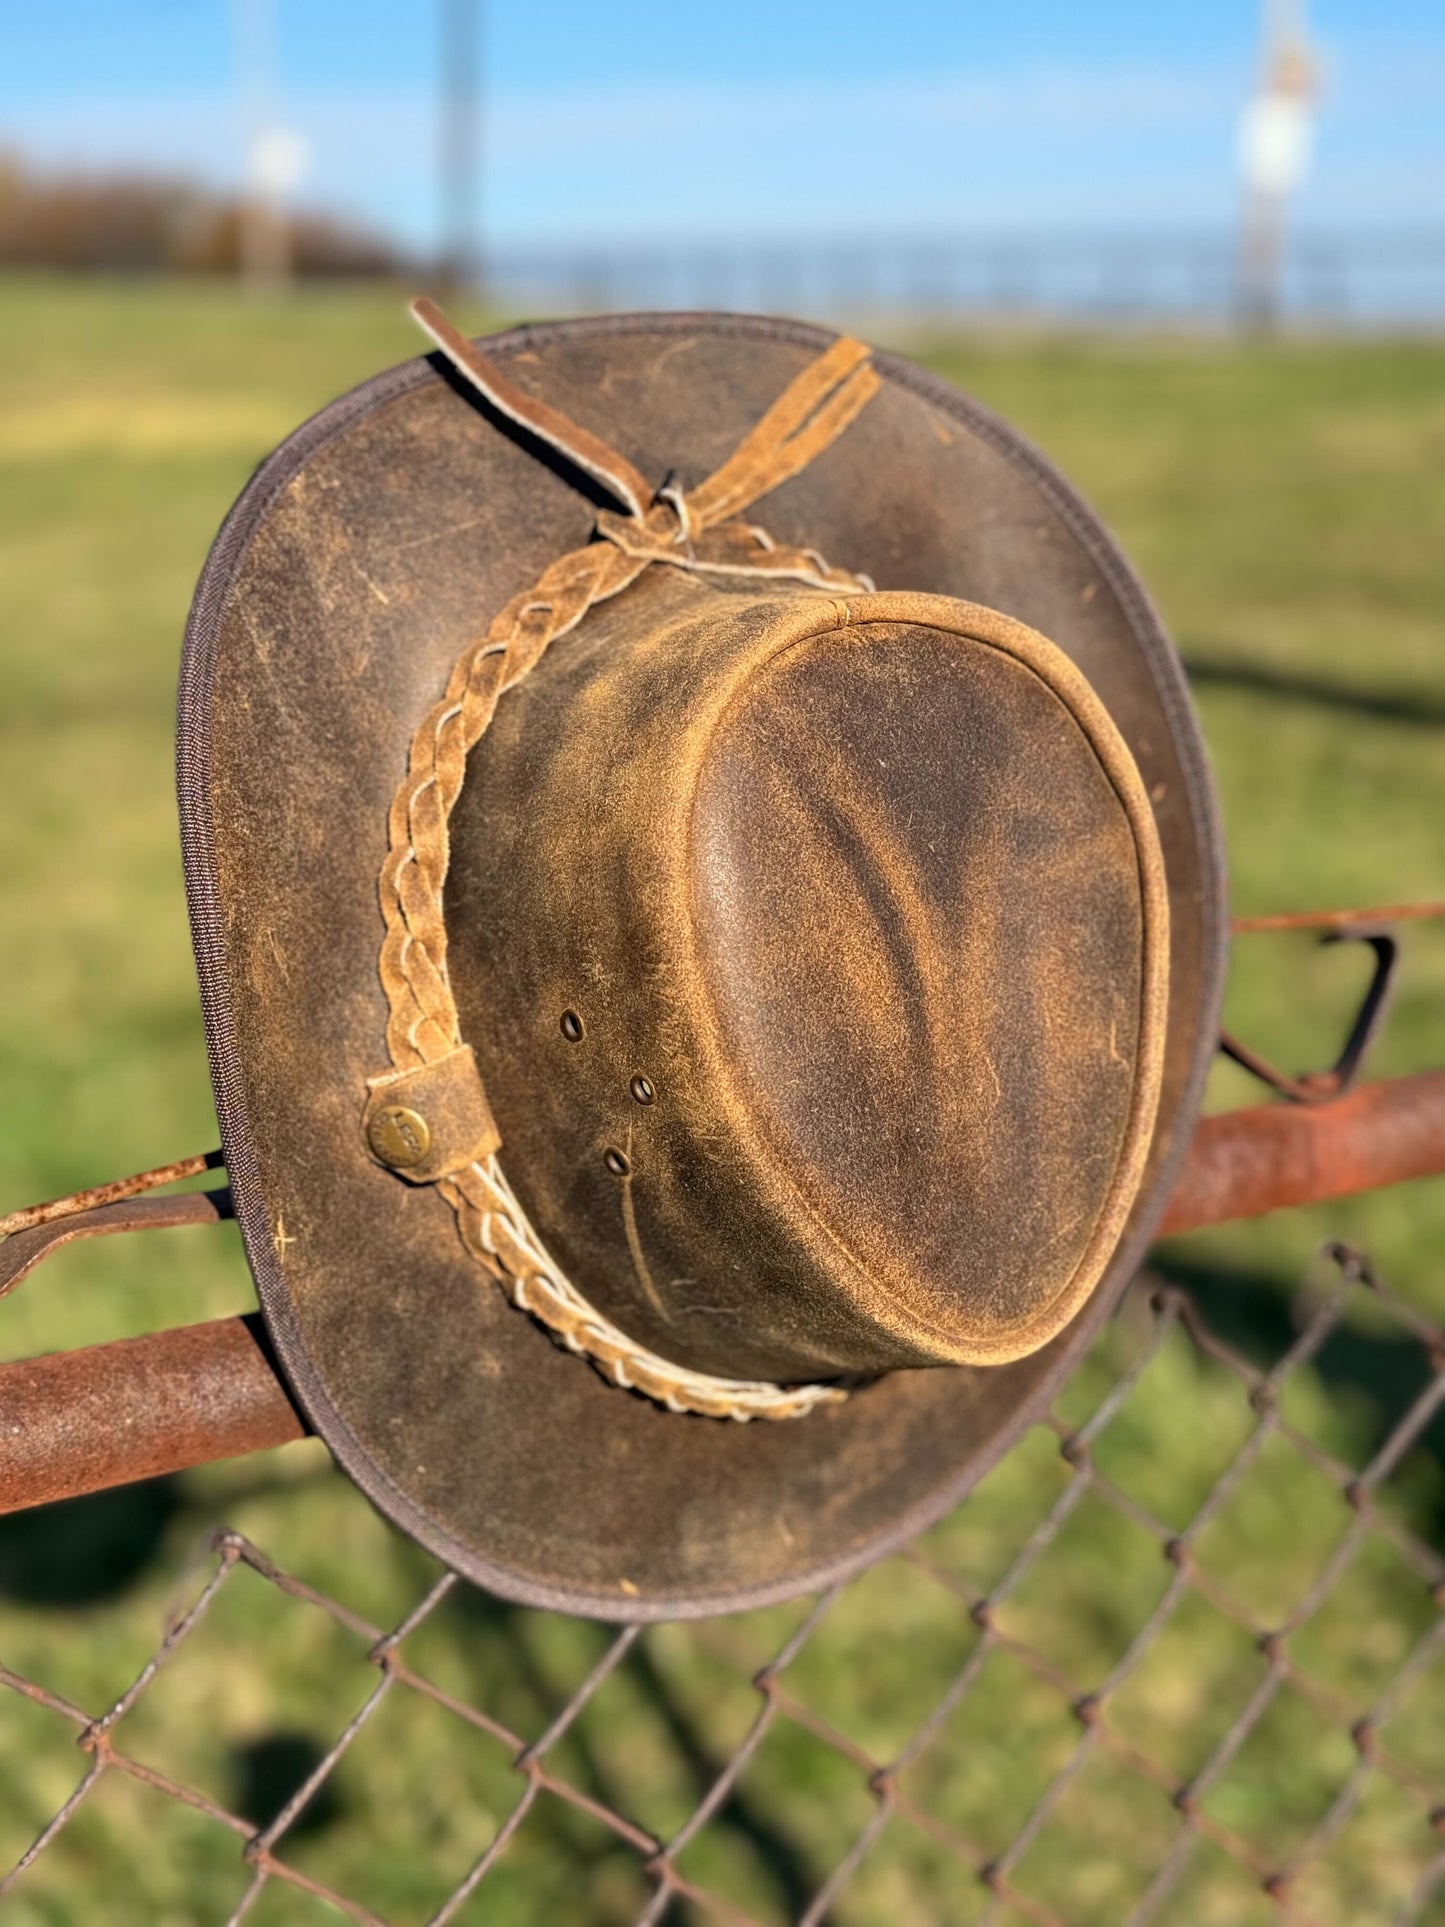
1286, 505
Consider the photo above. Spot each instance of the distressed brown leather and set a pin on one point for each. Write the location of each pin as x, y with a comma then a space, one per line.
449, 1099
360, 561
847, 884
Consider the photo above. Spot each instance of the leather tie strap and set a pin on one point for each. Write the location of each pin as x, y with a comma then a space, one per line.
696, 530
582, 448
811, 413
23, 1249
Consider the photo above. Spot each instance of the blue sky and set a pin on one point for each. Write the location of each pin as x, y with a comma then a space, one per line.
755, 116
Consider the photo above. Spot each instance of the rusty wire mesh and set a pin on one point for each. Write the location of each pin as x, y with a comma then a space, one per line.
1257, 1733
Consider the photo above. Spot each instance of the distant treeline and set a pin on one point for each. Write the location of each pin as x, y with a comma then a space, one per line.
143, 223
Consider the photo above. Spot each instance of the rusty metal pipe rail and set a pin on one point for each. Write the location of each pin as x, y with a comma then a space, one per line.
107, 1415
1245, 1164
113, 1414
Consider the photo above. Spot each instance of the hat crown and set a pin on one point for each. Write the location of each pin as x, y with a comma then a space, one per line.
811, 948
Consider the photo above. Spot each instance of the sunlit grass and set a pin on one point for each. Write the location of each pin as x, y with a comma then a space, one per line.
1287, 507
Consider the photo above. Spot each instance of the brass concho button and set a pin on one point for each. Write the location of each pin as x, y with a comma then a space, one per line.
398, 1136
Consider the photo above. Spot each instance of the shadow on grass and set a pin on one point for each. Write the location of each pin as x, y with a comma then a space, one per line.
83, 1551
1384, 1372
86, 1551
740, 1812
512, 1627
1223, 672
267, 1771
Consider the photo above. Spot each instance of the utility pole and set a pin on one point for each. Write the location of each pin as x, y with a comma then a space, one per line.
1274, 152
275, 157
459, 156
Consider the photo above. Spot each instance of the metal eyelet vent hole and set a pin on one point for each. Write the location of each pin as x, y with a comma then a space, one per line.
616, 1163
642, 1090
571, 1027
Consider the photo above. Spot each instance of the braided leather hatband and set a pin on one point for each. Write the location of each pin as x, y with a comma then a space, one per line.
696, 531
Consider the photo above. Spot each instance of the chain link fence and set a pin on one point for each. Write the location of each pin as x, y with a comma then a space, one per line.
1178, 1659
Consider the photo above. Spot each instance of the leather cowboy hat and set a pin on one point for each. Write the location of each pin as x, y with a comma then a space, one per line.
709, 915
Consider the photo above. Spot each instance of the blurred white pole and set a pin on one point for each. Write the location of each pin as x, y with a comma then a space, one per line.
459, 152
1274, 151
275, 156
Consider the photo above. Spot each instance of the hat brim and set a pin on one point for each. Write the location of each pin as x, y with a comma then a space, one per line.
363, 556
